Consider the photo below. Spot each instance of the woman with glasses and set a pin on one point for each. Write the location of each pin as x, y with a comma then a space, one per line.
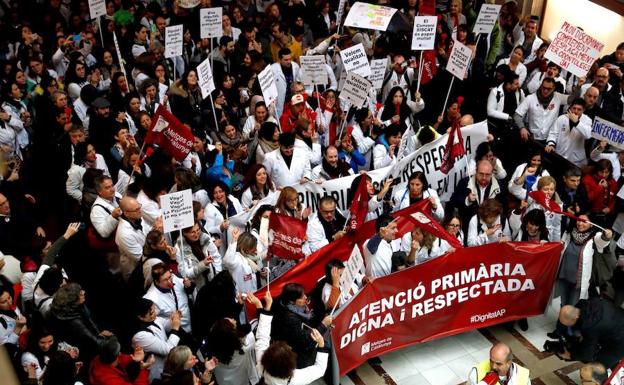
453, 225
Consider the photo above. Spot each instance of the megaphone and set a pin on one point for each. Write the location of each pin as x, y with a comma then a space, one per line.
491, 378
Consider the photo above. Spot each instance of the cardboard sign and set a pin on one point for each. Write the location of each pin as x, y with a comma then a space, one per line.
369, 16
423, 36
313, 69
353, 266
97, 8
355, 89
177, 209
210, 24
354, 60
205, 79
188, 3
378, 72
574, 50
459, 60
488, 15
611, 132
174, 36
267, 85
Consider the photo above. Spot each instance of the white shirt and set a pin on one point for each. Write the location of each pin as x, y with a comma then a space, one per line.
157, 343
166, 302
101, 219
476, 238
130, 243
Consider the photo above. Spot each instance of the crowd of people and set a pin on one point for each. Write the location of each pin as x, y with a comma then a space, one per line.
93, 291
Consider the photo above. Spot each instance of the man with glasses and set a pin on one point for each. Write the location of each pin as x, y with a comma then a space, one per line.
167, 293
326, 226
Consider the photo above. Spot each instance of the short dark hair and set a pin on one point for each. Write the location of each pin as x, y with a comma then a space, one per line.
279, 360
283, 52
329, 266
287, 139
224, 40
572, 171
292, 292
578, 102
361, 114
327, 199
383, 221
143, 307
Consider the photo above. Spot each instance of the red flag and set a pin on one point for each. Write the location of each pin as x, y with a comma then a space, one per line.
427, 223
286, 236
550, 204
359, 204
454, 148
427, 8
169, 133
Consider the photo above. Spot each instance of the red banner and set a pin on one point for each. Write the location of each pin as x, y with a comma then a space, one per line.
471, 288
286, 236
359, 204
454, 148
427, 223
169, 133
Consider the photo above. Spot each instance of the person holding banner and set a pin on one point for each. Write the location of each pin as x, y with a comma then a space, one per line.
289, 204
489, 225
332, 167
378, 251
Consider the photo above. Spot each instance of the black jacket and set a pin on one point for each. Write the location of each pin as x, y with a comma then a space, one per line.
612, 105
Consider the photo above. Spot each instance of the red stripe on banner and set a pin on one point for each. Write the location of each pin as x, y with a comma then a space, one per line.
471, 288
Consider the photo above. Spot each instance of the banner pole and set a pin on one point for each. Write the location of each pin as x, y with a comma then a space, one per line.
279, 124
174, 68
99, 23
322, 113
344, 120
214, 112
181, 246
420, 69
268, 275
211, 55
447, 95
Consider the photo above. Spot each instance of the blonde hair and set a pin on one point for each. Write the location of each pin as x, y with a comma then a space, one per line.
547, 181
176, 359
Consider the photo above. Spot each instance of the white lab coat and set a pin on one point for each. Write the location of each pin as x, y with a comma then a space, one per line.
315, 234
242, 273
381, 157
130, 243
540, 120
401, 200
281, 174
534, 47
166, 302
192, 268
314, 153
496, 102
282, 86
150, 211
364, 144
156, 342
476, 238
101, 219
521, 70
378, 264
519, 191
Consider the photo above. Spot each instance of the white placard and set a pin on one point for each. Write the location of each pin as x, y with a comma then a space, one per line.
313, 70
174, 40
369, 16
574, 50
204, 78
488, 15
97, 8
353, 266
355, 89
354, 60
340, 11
267, 85
177, 209
459, 60
424, 33
210, 23
378, 72
611, 132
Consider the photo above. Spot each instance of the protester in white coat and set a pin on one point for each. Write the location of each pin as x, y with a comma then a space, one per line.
378, 250
243, 262
416, 190
130, 235
285, 63
105, 211
217, 213
167, 293
287, 165
568, 135
197, 256
386, 149
533, 168
489, 225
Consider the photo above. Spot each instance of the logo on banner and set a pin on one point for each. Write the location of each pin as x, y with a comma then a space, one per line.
365, 348
420, 217
161, 124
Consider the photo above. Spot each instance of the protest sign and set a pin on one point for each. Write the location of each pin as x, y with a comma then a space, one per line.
378, 72
188, 3
617, 375
210, 23
353, 266
286, 236
459, 60
574, 50
177, 209
204, 78
423, 36
369, 16
174, 40
97, 8
355, 90
354, 60
488, 15
340, 12
313, 70
611, 132
427, 159
267, 85
242, 219
470, 288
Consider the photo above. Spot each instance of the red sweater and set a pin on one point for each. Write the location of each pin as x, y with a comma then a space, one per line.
598, 197
105, 374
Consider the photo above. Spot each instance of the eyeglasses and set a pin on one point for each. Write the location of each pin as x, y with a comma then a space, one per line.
453, 225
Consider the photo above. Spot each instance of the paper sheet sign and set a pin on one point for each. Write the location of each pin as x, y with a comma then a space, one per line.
369, 16
177, 209
354, 60
210, 24
488, 15
354, 265
174, 41
267, 85
574, 50
97, 8
355, 89
459, 60
611, 132
313, 69
423, 35
340, 11
378, 72
205, 78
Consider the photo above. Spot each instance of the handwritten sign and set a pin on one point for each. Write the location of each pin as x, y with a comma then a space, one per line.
210, 24
177, 209
355, 89
174, 41
378, 72
354, 265
488, 15
205, 79
574, 50
267, 85
97, 8
423, 36
459, 60
313, 69
611, 132
354, 60
369, 16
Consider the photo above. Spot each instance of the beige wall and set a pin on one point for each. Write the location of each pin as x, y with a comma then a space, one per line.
599, 22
